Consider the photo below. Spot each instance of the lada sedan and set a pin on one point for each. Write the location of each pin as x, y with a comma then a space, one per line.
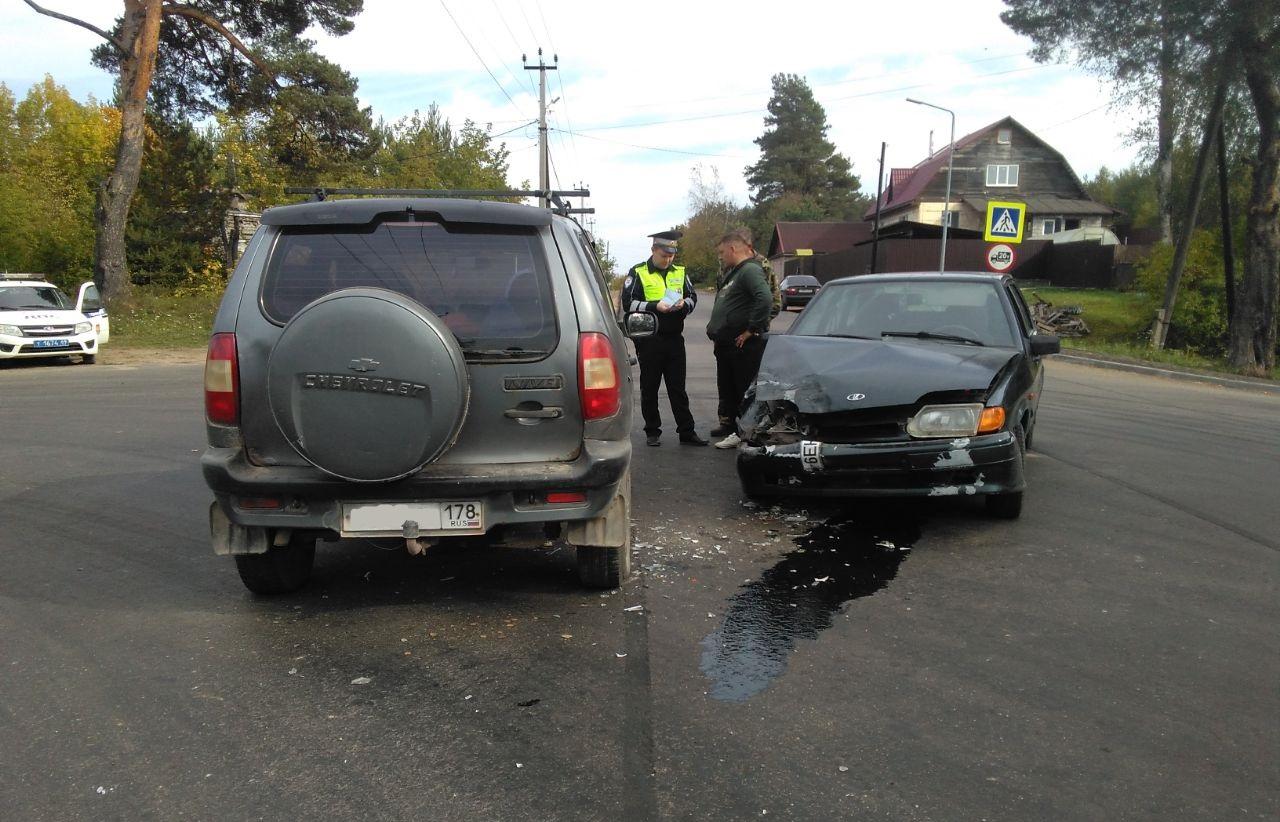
899, 385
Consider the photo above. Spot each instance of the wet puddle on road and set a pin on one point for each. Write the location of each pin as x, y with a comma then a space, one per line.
838, 561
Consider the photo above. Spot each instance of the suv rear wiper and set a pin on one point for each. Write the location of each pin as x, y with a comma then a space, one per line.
929, 335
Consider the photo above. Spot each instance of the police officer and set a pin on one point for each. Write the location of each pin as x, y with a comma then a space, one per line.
659, 287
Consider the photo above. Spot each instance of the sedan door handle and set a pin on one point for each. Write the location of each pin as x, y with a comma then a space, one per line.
533, 413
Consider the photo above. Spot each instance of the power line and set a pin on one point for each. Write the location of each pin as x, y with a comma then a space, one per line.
670, 103
659, 148
564, 98
478, 57
1073, 119
515, 42
744, 112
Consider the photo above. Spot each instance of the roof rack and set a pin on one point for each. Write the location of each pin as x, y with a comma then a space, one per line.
7, 275
557, 198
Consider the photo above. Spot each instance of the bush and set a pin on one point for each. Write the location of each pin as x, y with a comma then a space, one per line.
1200, 312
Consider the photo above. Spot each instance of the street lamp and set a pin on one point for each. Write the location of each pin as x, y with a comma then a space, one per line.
946, 205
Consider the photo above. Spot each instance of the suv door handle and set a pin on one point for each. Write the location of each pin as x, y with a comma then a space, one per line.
551, 413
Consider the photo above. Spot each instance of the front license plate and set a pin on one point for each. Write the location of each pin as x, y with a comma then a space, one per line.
50, 343
389, 518
811, 455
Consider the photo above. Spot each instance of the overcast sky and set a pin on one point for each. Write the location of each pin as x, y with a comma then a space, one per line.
647, 91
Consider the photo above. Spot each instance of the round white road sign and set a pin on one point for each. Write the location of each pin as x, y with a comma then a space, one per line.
1001, 257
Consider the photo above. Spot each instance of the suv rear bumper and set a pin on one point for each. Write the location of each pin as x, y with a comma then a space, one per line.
512, 493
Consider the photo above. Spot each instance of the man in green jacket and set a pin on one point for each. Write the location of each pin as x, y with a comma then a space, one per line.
738, 324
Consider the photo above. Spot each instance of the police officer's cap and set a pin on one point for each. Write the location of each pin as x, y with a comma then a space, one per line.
667, 240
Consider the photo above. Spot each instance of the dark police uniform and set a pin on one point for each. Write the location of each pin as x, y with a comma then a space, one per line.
662, 356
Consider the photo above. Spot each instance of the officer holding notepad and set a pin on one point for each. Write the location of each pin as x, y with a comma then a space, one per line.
659, 287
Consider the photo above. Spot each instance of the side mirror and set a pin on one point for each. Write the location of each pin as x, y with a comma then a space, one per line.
1042, 344
640, 325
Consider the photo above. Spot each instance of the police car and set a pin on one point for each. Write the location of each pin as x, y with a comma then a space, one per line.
38, 320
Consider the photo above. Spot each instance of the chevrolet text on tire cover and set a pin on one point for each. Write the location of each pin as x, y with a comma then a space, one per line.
411, 369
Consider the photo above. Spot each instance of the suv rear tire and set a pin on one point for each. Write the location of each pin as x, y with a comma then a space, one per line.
88, 359
280, 570
603, 567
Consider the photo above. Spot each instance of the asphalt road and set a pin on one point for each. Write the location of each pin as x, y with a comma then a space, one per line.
1113, 654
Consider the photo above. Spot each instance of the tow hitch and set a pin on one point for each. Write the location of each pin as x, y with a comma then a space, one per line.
414, 543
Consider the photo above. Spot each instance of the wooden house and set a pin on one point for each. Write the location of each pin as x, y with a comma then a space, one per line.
1003, 161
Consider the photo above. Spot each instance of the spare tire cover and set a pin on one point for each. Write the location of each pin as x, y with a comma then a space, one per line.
368, 385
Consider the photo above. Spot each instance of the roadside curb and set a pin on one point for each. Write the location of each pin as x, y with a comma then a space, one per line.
1236, 382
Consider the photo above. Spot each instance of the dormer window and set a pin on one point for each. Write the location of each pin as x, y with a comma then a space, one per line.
1000, 175
1004, 136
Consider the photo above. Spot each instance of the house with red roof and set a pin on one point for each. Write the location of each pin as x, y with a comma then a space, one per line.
1002, 161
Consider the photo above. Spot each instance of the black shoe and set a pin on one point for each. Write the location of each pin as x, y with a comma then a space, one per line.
653, 439
724, 429
692, 439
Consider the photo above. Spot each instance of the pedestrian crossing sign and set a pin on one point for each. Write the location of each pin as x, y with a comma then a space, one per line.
1005, 222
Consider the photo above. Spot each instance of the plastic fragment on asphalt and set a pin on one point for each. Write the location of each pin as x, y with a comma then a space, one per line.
618, 655
844, 769
634, 608
361, 680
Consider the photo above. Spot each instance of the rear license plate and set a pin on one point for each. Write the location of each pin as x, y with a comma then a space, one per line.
389, 518
50, 343
806, 291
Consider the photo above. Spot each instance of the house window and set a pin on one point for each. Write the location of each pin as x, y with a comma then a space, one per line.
1002, 175
950, 218
1050, 225
1004, 136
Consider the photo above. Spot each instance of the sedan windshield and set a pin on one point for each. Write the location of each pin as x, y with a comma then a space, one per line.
31, 297
931, 311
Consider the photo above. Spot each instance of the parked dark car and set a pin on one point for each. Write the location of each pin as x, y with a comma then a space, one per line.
798, 289
899, 385
412, 369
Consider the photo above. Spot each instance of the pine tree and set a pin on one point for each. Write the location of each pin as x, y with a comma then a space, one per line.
797, 161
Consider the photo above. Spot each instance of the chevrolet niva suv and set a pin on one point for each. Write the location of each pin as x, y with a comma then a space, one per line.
416, 369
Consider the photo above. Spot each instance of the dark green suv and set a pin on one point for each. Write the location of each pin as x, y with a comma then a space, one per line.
413, 369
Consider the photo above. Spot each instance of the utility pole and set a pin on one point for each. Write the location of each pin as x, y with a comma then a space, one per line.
544, 163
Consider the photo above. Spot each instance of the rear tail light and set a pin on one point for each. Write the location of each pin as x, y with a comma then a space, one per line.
597, 377
565, 497
222, 381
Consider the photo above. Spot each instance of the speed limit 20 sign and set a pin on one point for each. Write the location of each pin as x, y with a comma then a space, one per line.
1001, 257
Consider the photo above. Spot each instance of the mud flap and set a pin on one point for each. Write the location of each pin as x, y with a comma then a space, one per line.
610, 529
229, 538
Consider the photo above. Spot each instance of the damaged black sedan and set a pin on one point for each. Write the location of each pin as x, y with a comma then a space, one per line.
899, 385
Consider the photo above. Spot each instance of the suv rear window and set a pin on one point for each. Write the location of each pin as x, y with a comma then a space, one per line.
488, 284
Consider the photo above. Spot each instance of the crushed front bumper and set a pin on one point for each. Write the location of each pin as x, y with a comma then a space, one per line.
987, 464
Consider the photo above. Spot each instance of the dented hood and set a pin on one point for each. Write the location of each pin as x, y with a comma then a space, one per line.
819, 374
